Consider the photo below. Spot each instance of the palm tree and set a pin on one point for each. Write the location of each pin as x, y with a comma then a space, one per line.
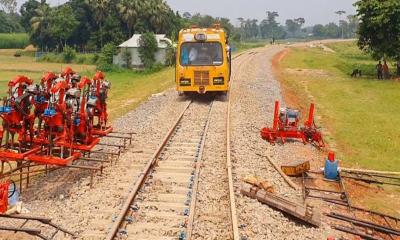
41, 17
129, 12
340, 13
271, 16
100, 8
157, 12
40, 21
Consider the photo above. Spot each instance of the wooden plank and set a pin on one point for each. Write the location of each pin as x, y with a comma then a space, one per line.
301, 212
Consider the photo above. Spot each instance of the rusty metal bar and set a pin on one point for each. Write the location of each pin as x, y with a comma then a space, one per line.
322, 190
364, 223
355, 232
142, 178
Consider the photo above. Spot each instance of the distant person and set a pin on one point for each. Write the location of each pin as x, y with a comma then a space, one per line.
386, 72
398, 68
379, 70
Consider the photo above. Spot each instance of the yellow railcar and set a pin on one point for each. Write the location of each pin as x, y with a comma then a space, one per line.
203, 62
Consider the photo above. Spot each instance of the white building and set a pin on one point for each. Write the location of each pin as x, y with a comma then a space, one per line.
132, 46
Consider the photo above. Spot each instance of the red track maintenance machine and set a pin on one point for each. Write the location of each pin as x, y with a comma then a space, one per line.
286, 126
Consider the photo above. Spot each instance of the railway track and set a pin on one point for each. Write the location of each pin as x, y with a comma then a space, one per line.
160, 203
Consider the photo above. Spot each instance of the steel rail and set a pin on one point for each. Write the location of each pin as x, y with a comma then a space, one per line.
197, 178
142, 178
233, 212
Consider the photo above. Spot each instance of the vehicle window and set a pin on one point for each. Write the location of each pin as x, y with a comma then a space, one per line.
201, 54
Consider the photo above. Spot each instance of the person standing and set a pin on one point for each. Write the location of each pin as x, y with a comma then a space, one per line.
379, 70
386, 72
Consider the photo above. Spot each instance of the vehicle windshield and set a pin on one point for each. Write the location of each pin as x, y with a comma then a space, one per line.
201, 54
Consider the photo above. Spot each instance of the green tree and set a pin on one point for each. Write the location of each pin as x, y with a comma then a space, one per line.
101, 10
9, 23
353, 25
27, 11
332, 30
271, 20
63, 23
128, 9
9, 5
40, 33
379, 30
148, 48
319, 31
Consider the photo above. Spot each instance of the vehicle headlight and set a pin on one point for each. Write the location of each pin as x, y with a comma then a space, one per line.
185, 82
218, 81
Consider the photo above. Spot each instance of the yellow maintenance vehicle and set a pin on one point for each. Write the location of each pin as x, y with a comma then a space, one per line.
203, 60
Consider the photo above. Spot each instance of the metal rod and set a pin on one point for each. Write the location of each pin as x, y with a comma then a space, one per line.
355, 232
322, 190
30, 231
364, 223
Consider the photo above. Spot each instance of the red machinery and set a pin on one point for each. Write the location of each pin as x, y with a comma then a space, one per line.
18, 120
97, 105
4, 196
67, 74
286, 125
65, 107
79, 136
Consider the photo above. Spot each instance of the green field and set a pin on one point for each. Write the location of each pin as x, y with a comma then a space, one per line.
13, 40
360, 115
128, 87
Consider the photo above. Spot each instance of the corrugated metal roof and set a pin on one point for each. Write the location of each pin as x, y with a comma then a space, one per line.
133, 42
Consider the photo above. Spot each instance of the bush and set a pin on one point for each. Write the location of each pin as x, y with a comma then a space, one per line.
69, 54
107, 54
127, 57
170, 57
51, 57
148, 47
18, 53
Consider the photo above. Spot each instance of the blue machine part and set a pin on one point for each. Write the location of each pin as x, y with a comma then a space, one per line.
77, 121
331, 171
6, 109
40, 99
49, 112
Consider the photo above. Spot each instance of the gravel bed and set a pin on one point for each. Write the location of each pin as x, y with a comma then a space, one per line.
66, 196
253, 96
212, 214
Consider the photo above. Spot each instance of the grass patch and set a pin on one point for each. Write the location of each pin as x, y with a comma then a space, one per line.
80, 58
361, 114
243, 46
13, 40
